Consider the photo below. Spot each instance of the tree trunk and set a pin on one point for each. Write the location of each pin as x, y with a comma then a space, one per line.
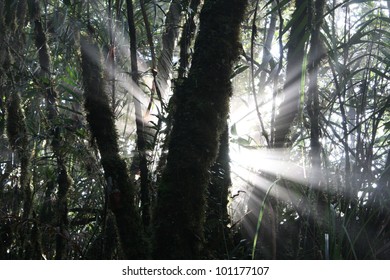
102, 124
63, 179
289, 108
218, 238
186, 39
199, 121
17, 135
164, 65
318, 199
139, 120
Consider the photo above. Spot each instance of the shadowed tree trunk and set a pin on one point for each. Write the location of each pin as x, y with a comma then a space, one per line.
199, 121
218, 236
289, 108
13, 15
315, 55
187, 38
13, 20
139, 120
318, 201
102, 124
63, 179
380, 224
17, 135
164, 66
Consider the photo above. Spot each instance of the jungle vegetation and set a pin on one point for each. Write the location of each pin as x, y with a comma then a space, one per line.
189, 129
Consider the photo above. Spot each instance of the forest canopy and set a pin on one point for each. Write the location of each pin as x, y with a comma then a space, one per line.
190, 129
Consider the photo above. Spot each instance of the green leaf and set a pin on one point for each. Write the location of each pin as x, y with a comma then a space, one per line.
277, 7
238, 70
243, 142
296, 16
380, 73
387, 125
260, 217
233, 130
76, 95
69, 109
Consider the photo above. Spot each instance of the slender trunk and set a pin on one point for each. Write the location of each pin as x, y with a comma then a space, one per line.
187, 38
316, 183
269, 222
149, 36
112, 54
289, 108
315, 55
266, 55
141, 141
276, 76
199, 121
171, 33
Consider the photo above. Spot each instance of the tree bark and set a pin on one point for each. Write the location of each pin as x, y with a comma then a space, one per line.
289, 108
139, 119
102, 124
318, 199
63, 179
187, 37
199, 121
164, 65
218, 237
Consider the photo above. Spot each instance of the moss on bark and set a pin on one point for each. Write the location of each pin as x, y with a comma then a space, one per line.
101, 121
63, 178
199, 120
18, 138
218, 237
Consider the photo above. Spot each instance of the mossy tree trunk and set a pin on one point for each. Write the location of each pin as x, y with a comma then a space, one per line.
187, 38
17, 135
13, 16
218, 238
12, 23
102, 124
199, 120
64, 180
